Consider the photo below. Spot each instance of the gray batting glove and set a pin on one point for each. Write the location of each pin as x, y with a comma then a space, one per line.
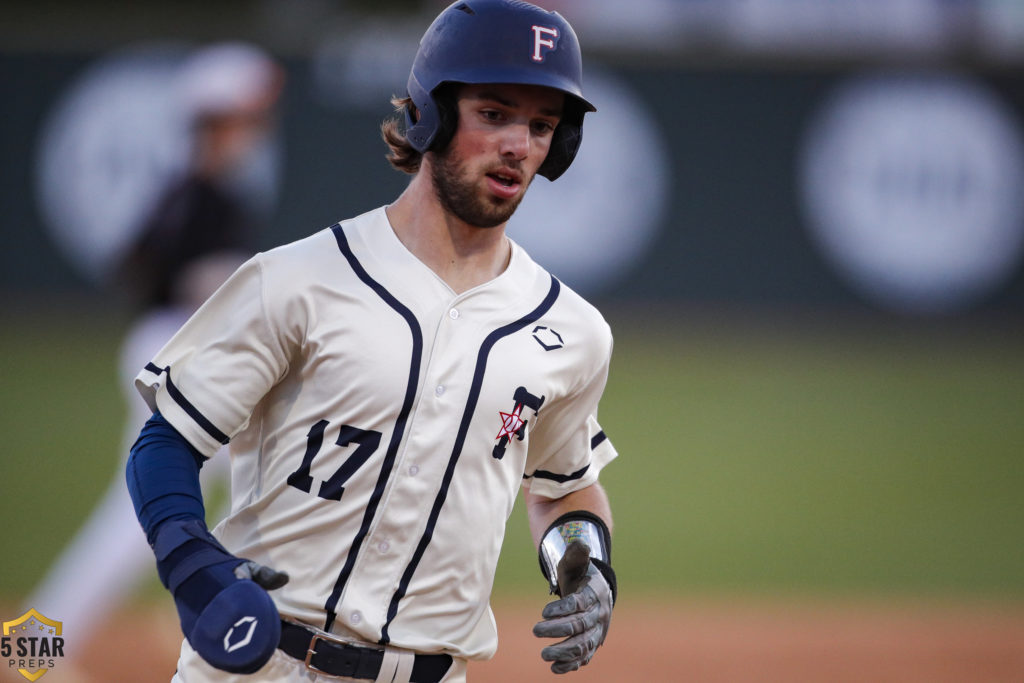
268, 578
582, 616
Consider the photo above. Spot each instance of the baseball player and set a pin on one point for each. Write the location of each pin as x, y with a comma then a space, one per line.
388, 385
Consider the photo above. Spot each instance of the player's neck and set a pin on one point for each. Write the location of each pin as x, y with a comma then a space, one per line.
462, 255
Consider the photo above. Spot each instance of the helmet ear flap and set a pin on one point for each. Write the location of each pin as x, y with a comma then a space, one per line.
431, 118
565, 142
448, 116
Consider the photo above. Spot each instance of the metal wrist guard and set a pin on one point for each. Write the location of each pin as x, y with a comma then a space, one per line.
578, 525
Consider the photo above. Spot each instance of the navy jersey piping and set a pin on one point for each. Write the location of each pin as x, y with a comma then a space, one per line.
560, 478
460, 439
187, 406
400, 422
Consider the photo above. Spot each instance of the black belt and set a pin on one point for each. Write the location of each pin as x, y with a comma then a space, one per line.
334, 658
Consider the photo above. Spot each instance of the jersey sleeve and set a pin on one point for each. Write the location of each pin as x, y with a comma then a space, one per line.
568, 448
210, 376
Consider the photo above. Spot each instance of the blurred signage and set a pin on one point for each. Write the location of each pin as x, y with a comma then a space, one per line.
911, 184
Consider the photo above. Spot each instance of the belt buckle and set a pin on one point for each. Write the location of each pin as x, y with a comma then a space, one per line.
310, 651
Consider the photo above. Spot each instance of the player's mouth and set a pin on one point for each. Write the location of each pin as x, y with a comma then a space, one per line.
505, 183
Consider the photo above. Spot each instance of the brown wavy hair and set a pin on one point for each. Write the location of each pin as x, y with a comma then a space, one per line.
401, 154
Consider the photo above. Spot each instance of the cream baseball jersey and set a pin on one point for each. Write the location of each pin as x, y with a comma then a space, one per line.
382, 425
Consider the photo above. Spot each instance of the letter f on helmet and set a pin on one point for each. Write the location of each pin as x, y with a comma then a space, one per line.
539, 42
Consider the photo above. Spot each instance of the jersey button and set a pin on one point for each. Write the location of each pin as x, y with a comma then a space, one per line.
414, 470
453, 314
383, 547
356, 617
439, 390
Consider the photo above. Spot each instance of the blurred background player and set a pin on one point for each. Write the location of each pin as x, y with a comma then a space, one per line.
203, 226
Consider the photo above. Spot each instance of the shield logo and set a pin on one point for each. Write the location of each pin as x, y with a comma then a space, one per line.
31, 642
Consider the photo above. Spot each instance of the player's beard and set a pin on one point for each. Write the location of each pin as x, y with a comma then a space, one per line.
460, 196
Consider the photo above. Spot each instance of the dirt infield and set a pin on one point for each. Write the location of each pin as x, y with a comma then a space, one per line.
693, 641
773, 642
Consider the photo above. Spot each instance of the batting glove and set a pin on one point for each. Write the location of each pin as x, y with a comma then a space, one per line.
222, 601
582, 617
575, 558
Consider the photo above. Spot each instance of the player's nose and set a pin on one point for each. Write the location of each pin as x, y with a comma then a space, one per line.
515, 141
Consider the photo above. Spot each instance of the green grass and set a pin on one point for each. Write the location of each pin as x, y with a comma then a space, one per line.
60, 417
870, 460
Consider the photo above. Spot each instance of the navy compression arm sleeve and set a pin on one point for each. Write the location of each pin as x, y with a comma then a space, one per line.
163, 476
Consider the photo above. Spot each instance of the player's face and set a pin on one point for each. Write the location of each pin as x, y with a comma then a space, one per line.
503, 137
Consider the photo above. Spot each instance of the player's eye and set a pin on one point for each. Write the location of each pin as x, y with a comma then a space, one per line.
491, 114
543, 127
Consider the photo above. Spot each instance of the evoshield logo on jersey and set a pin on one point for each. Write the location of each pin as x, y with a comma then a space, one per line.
540, 42
547, 338
513, 424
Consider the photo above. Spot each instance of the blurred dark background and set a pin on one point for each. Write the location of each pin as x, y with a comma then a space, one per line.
763, 155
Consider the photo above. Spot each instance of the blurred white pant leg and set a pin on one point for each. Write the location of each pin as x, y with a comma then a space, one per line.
108, 557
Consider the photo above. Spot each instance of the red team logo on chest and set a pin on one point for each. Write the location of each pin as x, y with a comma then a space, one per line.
513, 424
510, 423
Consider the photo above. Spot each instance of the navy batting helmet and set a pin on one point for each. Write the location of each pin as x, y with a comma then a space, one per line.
497, 41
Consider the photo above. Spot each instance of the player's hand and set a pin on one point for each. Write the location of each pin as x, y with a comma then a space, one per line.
582, 616
225, 611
